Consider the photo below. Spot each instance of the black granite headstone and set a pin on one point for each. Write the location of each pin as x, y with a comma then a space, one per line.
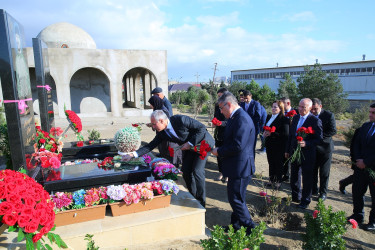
43, 84
15, 83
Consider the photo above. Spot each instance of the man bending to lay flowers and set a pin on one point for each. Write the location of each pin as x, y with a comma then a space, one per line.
305, 132
188, 133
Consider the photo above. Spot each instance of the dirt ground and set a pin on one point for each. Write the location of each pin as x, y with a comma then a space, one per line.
284, 234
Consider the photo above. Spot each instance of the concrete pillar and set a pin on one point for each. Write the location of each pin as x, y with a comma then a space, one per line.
147, 89
137, 86
131, 88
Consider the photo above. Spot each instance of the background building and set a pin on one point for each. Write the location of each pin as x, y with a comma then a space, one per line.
98, 82
357, 78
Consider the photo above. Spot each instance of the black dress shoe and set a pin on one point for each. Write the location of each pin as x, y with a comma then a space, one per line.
342, 188
355, 217
370, 226
302, 205
296, 200
323, 197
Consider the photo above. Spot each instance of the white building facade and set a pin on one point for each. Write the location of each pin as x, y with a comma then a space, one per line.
357, 78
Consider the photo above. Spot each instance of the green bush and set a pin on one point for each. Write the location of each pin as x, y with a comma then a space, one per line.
324, 229
235, 240
94, 135
4, 145
204, 109
359, 117
344, 116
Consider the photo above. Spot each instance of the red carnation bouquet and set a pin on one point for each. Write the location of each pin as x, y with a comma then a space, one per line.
216, 122
269, 129
137, 126
202, 149
291, 114
27, 209
302, 133
74, 123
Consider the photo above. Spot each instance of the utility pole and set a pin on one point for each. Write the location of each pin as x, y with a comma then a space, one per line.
213, 79
197, 77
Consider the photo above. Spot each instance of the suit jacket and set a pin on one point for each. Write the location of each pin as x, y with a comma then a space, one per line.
263, 117
219, 131
168, 105
329, 130
255, 112
311, 140
237, 151
363, 149
186, 128
278, 139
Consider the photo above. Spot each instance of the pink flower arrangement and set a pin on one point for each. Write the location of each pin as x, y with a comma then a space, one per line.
164, 170
63, 201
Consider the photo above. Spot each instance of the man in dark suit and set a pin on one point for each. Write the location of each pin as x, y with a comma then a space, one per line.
324, 149
237, 158
287, 108
254, 110
364, 156
308, 145
187, 132
219, 134
159, 92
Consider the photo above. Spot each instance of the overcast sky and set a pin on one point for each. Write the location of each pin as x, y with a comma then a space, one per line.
235, 34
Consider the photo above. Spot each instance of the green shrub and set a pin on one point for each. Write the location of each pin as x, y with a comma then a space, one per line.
359, 117
235, 240
4, 145
94, 135
204, 109
324, 229
344, 116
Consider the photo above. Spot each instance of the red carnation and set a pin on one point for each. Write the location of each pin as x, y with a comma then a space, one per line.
171, 151
42, 141
80, 144
299, 138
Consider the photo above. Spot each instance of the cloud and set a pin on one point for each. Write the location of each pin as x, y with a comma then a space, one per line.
193, 46
305, 16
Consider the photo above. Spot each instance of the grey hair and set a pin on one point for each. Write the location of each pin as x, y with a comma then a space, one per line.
227, 97
308, 100
159, 114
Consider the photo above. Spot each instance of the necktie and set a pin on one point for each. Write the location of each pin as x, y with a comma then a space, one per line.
370, 132
300, 122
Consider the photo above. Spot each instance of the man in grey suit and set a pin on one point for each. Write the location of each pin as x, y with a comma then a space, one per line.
188, 133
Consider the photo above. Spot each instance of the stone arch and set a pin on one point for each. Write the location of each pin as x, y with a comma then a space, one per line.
90, 91
34, 91
137, 85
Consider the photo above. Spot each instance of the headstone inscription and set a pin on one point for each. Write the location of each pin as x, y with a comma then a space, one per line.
43, 84
15, 83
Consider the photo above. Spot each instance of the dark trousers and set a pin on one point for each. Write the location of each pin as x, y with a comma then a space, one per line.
219, 159
362, 180
286, 169
304, 172
236, 189
323, 167
276, 160
194, 176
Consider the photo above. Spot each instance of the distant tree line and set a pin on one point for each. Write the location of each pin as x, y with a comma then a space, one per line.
314, 83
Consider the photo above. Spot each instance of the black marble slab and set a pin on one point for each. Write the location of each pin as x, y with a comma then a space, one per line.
71, 152
74, 177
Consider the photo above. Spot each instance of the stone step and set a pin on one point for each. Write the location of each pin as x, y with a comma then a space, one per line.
184, 218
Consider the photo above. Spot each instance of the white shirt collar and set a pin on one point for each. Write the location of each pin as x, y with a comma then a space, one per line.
233, 112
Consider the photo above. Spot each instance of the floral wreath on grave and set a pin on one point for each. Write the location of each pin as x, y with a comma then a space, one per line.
26, 208
75, 124
162, 169
47, 151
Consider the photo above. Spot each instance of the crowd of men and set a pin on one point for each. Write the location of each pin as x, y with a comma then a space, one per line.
234, 146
